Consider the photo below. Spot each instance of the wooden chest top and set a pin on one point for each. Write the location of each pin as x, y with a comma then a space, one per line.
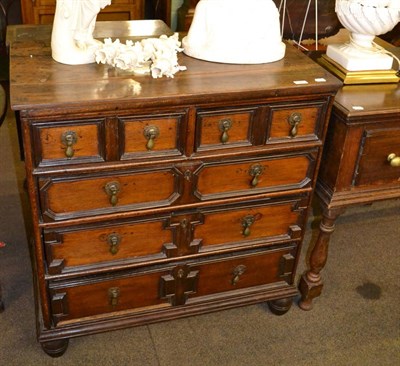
37, 81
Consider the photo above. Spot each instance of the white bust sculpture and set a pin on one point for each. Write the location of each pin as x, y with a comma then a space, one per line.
235, 31
72, 36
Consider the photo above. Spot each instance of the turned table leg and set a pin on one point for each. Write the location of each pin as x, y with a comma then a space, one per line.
311, 282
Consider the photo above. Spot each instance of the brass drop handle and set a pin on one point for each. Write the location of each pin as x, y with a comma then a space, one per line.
69, 138
113, 241
151, 133
112, 189
247, 221
237, 272
113, 295
255, 171
225, 125
294, 121
394, 160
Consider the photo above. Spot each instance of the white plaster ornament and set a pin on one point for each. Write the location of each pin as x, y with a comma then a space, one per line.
72, 41
365, 19
235, 31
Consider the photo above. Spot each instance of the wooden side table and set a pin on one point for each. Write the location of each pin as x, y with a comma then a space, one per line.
360, 164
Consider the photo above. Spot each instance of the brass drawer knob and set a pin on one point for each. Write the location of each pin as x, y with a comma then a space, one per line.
294, 121
69, 138
151, 133
113, 296
394, 160
247, 221
237, 272
225, 125
113, 241
255, 171
112, 189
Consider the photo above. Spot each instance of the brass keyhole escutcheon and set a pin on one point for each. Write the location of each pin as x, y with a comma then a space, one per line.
69, 138
113, 241
112, 189
394, 160
247, 221
180, 273
255, 171
113, 296
225, 125
294, 121
188, 175
237, 272
151, 133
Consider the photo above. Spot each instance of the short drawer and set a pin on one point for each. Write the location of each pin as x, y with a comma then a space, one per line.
77, 196
293, 122
186, 283
146, 137
225, 128
379, 157
69, 142
221, 179
145, 240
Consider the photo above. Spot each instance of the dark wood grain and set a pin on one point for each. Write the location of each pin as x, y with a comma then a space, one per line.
97, 84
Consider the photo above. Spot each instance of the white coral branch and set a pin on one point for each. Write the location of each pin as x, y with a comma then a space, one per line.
155, 56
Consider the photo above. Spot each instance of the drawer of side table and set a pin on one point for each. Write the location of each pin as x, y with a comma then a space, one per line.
374, 166
77, 196
69, 142
145, 240
152, 289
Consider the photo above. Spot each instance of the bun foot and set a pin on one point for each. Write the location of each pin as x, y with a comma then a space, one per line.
280, 306
55, 348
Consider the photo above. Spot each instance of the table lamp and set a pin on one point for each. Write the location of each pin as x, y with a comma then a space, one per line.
365, 19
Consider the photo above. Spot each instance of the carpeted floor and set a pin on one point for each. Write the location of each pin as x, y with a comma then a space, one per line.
356, 322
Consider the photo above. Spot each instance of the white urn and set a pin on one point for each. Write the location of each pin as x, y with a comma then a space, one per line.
365, 19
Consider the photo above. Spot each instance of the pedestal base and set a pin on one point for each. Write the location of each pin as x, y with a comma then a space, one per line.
358, 77
353, 60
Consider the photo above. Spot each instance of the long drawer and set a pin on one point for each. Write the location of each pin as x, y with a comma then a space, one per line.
81, 195
174, 285
147, 240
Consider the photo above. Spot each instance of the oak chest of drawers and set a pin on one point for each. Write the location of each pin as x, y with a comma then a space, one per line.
154, 199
